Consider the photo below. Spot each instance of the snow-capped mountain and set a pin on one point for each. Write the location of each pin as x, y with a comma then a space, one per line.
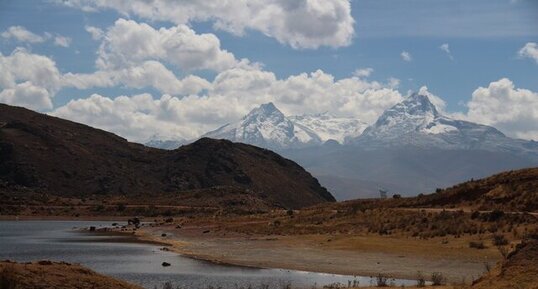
328, 127
160, 143
417, 122
268, 127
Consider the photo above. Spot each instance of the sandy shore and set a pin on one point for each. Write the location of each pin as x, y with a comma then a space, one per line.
341, 254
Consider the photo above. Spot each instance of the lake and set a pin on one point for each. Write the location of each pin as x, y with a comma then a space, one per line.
141, 263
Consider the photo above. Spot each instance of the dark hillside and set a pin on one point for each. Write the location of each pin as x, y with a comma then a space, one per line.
44, 154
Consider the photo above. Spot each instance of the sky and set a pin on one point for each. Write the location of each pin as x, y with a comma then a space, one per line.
176, 69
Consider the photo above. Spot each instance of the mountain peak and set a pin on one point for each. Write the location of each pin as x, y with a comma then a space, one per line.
265, 126
418, 104
265, 109
268, 106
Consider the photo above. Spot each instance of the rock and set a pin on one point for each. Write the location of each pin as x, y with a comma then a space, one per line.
134, 221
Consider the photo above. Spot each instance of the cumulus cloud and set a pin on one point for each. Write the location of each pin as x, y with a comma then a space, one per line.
21, 34
512, 110
363, 72
445, 48
232, 94
137, 117
28, 79
95, 32
27, 95
129, 43
148, 74
530, 50
131, 54
406, 56
300, 24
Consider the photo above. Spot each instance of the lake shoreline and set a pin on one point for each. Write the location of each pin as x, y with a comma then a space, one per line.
292, 253
71, 238
300, 253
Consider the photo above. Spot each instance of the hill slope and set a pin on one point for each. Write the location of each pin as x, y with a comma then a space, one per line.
512, 191
45, 154
520, 270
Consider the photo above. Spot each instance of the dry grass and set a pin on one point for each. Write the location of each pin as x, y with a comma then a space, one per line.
52, 275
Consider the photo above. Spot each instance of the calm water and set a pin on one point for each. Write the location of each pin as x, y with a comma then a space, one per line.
141, 263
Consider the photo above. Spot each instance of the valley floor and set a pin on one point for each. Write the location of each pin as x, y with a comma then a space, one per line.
366, 255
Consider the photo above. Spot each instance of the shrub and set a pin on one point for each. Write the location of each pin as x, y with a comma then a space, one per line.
421, 282
437, 279
381, 280
499, 240
494, 216
397, 196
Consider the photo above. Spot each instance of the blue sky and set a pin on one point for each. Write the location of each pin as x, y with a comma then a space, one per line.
484, 37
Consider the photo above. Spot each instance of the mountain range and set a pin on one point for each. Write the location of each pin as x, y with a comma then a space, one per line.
412, 147
266, 126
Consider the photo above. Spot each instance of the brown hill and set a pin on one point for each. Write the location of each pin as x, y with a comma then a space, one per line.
509, 191
44, 154
518, 271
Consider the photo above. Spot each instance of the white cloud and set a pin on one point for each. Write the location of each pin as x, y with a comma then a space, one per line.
23, 66
131, 55
230, 96
512, 110
28, 79
300, 24
62, 41
147, 74
445, 47
27, 95
136, 118
363, 72
530, 50
128, 43
95, 32
406, 56
21, 34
